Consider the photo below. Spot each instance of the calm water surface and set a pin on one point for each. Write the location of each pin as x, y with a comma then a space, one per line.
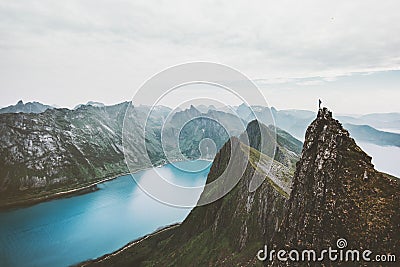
70, 230
385, 158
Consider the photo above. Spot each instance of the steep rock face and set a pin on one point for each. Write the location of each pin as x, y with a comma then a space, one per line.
58, 149
185, 130
337, 193
233, 226
199, 129
273, 142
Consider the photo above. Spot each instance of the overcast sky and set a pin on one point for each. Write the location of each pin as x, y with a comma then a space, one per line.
70, 52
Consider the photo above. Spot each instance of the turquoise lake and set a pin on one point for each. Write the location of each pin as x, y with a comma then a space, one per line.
70, 230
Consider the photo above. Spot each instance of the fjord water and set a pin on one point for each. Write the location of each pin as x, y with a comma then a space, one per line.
70, 230
385, 158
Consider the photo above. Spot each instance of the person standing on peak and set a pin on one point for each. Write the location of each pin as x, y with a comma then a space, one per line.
319, 103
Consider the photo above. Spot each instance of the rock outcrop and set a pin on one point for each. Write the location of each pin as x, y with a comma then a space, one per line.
337, 193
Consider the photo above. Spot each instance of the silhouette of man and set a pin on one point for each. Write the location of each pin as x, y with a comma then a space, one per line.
319, 103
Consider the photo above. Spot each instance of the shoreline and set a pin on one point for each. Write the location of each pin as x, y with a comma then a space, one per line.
128, 245
92, 187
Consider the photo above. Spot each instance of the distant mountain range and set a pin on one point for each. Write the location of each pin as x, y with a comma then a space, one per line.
369, 134
363, 127
376, 120
30, 107
296, 121
90, 103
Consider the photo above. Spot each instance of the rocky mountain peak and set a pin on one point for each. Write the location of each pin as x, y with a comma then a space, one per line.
193, 111
337, 193
327, 145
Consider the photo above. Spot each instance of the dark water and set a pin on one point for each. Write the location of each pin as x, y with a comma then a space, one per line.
70, 230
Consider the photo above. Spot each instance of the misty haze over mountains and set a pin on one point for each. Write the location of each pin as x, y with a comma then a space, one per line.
383, 145
366, 127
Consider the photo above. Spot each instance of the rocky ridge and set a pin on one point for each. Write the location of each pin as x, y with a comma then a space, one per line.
337, 193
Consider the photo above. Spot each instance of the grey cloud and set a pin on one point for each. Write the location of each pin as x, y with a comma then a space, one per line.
125, 42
